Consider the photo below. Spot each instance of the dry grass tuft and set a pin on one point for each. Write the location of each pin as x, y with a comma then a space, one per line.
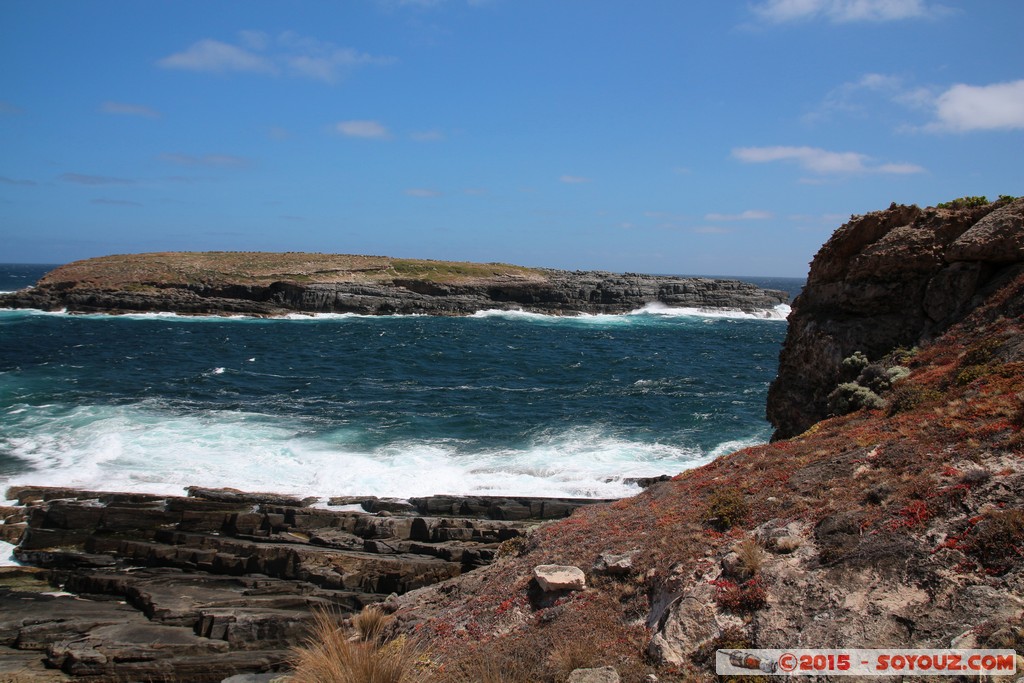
371, 624
329, 656
751, 557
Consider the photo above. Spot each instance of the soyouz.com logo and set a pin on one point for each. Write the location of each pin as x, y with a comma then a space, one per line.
855, 662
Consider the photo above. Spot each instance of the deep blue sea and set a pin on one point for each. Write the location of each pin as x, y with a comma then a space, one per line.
497, 403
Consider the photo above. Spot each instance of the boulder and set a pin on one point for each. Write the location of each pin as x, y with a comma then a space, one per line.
554, 577
604, 674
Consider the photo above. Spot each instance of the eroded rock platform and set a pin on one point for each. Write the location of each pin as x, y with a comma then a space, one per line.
126, 586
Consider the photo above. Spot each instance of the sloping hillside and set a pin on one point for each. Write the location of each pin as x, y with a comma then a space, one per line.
900, 524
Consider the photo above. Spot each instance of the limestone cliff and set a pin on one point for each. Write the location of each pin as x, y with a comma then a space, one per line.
266, 284
893, 278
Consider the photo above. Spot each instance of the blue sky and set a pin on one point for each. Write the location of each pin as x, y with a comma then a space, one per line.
725, 138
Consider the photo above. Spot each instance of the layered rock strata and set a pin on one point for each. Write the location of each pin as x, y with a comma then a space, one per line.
888, 279
220, 582
244, 284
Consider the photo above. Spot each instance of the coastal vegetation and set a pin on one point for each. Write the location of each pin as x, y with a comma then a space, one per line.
219, 268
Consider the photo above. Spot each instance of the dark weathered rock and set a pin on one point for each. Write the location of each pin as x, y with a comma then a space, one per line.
221, 582
888, 279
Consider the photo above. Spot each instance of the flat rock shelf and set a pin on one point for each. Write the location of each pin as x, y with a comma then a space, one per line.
127, 586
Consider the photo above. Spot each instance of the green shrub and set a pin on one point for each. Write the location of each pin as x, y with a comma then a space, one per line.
850, 396
908, 397
854, 364
964, 203
726, 508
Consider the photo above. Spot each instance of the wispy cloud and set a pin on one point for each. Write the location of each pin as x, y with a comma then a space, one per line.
17, 181
427, 135
363, 128
849, 98
85, 179
573, 179
749, 215
129, 109
845, 11
712, 230
288, 54
422, 192
115, 202
821, 161
964, 108
217, 57
212, 160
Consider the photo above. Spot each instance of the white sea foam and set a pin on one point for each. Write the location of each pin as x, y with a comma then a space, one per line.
134, 448
779, 312
7, 555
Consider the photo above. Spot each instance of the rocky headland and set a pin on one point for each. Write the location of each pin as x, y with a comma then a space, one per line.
891, 516
889, 279
268, 284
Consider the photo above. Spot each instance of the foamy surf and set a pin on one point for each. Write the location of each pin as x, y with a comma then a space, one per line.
129, 448
7, 555
778, 313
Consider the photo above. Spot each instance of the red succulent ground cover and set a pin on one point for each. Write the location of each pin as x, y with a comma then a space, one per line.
942, 468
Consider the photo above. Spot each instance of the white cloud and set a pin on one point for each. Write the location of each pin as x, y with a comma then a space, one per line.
363, 129
288, 53
963, 108
820, 161
218, 57
216, 160
129, 109
749, 215
845, 11
574, 179
422, 192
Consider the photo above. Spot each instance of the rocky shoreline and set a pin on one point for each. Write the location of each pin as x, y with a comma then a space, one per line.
218, 583
213, 283
895, 522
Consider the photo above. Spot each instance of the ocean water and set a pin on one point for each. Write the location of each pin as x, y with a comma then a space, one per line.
497, 403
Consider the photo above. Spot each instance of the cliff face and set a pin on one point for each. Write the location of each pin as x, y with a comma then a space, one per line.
277, 284
893, 278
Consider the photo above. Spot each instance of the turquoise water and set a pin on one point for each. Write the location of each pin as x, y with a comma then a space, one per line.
499, 403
